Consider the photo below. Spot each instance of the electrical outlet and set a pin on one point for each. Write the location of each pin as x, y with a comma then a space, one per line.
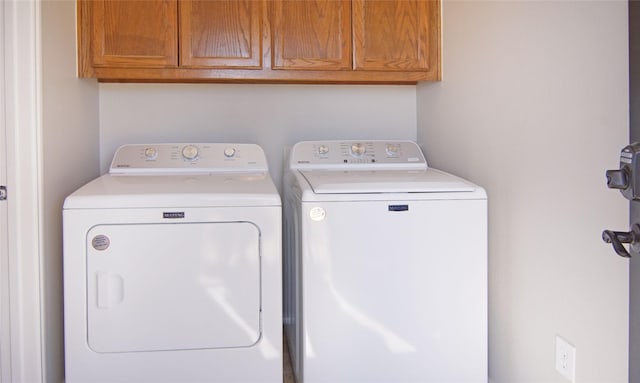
566, 359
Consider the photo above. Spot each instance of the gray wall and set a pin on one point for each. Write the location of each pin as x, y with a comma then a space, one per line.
533, 106
69, 147
273, 116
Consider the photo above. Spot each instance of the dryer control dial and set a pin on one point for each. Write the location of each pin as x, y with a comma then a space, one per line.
150, 153
190, 152
229, 152
358, 149
323, 150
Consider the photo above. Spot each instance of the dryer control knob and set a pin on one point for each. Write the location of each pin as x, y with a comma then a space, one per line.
150, 153
229, 152
190, 152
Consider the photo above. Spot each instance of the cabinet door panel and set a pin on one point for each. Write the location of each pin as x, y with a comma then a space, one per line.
221, 33
312, 34
392, 35
134, 33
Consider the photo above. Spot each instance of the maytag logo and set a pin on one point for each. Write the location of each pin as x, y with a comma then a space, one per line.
398, 207
173, 214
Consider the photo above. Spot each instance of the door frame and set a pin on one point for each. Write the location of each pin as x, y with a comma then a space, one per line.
5, 329
22, 107
634, 206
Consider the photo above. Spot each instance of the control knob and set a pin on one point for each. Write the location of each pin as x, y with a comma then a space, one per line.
358, 149
150, 153
190, 152
323, 150
392, 149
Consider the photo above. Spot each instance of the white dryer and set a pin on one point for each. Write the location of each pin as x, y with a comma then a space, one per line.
385, 266
172, 268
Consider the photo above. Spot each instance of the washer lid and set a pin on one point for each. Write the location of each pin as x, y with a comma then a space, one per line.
385, 181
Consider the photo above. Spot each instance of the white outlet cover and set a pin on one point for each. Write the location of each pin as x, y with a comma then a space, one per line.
566, 359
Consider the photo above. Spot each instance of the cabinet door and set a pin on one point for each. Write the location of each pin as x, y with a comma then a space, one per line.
221, 33
312, 34
392, 35
134, 33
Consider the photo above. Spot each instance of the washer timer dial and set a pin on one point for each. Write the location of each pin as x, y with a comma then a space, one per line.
358, 149
392, 150
229, 152
190, 152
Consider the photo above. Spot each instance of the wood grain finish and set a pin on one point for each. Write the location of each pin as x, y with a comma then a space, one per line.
393, 35
312, 34
186, 75
134, 33
221, 33
260, 41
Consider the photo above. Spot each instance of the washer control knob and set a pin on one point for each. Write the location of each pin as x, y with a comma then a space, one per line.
358, 149
229, 152
150, 153
190, 152
392, 149
323, 149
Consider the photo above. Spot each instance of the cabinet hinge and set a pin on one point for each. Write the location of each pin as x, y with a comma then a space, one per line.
3, 193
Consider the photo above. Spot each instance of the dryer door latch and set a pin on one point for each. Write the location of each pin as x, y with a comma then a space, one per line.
3, 193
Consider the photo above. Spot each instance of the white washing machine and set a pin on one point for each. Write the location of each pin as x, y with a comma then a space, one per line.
385, 266
172, 268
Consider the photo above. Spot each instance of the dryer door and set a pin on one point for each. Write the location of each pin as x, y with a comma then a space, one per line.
153, 287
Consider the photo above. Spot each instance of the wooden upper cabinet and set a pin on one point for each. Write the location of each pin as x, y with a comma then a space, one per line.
290, 41
393, 35
311, 34
221, 33
133, 33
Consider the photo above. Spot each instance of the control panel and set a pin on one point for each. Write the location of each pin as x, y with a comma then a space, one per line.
191, 157
350, 154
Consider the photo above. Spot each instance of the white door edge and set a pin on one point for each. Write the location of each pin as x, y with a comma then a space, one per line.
22, 111
5, 329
